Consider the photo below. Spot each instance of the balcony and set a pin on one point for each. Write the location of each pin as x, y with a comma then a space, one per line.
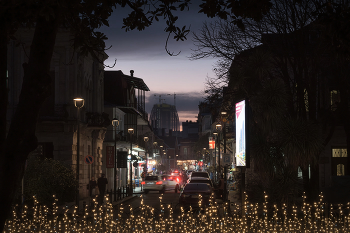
95, 119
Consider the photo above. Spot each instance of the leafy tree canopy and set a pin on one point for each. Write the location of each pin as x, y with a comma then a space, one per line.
47, 180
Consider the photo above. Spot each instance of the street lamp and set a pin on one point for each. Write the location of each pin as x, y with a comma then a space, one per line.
145, 139
218, 128
79, 103
203, 162
154, 151
215, 136
115, 123
223, 117
155, 147
161, 153
131, 132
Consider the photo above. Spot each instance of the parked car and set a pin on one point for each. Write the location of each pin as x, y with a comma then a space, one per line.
173, 182
199, 179
160, 183
190, 195
200, 174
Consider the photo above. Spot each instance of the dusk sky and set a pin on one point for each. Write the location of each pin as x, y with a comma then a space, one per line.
165, 75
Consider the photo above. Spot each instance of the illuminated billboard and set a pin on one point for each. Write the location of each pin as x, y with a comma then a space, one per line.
211, 143
241, 134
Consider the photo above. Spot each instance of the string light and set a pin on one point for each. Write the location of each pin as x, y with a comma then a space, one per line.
252, 217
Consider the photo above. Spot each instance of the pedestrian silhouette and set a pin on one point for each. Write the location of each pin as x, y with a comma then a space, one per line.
101, 183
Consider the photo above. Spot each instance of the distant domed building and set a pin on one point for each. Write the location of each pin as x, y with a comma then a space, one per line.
164, 119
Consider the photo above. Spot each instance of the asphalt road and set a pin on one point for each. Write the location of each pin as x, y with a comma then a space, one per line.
158, 203
154, 200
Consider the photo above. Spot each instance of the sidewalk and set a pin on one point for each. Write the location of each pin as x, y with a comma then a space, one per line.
233, 196
137, 191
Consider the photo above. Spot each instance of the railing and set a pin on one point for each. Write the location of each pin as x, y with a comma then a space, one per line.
142, 111
121, 192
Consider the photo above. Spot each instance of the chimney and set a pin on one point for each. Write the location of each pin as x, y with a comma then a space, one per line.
132, 73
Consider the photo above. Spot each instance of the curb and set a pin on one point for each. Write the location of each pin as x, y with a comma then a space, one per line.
123, 200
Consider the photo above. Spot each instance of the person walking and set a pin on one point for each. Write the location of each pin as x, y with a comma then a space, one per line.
101, 183
221, 187
92, 187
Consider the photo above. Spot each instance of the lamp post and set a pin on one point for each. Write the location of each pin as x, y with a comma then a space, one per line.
131, 132
218, 128
169, 162
145, 169
79, 103
223, 116
145, 139
115, 123
215, 175
203, 162
155, 143
161, 153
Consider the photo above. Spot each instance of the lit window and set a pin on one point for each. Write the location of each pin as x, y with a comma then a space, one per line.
340, 170
336, 153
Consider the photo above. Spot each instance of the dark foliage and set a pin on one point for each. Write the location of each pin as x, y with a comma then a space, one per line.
46, 178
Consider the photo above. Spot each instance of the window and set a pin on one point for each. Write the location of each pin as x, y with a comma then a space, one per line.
339, 161
339, 153
340, 170
185, 151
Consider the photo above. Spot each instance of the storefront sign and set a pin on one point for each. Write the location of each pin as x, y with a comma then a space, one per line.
110, 157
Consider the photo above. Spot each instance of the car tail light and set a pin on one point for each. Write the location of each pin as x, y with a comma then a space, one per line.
178, 180
143, 182
159, 182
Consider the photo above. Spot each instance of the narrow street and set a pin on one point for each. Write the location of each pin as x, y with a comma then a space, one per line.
162, 203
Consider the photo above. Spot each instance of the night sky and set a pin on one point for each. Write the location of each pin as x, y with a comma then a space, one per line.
144, 52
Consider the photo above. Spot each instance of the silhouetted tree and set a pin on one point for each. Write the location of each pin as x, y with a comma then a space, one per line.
289, 49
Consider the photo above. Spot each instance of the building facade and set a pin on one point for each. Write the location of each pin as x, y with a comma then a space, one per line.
163, 118
72, 76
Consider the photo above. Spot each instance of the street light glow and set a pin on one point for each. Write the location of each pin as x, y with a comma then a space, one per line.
115, 122
79, 102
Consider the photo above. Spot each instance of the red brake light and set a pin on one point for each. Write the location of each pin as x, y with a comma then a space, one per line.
143, 182
177, 179
159, 182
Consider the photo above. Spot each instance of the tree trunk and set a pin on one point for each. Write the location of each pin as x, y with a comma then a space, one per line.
3, 82
306, 181
314, 189
21, 139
